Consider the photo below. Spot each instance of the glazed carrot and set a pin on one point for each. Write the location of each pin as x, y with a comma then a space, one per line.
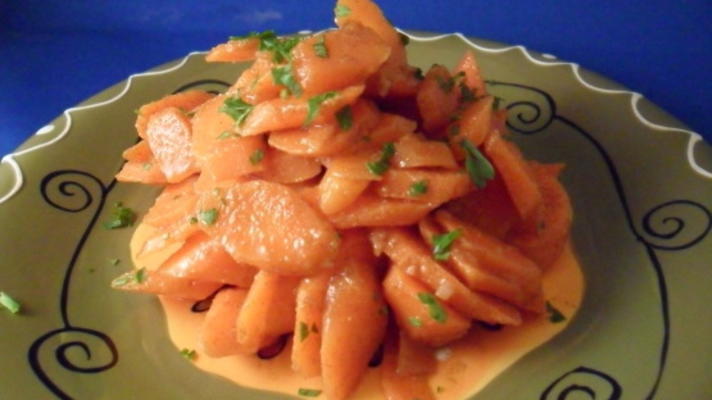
370, 210
306, 345
401, 386
268, 310
148, 173
336, 192
185, 101
234, 51
390, 128
473, 77
367, 13
155, 282
218, 334
414, 359
278, 231
421, 185
356, 165
140, 152
474, 123
413, 151
256, 83
437, 99
283, 167
168, 133
176, 203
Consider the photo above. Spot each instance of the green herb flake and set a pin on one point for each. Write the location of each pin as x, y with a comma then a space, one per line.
208, 217
453, 130
309, 392
418, 188
257, 156
320, 47
466, 94
226, 135
477, 165
497, 103
140, 275
269, 41
236, 108
405, 40
436, 311
345, 118
314, 104
415, 321
137, 111
446, 84
341, 11
193, 220
555, 316
380, 166
121, 217
303, 331
284, 76
418, 74
188, 353
146, 166
114, 261
442, 244
8, 302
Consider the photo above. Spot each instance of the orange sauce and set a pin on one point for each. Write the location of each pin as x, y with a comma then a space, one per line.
464, 367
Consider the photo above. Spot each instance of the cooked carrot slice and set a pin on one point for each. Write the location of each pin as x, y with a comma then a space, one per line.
168, 133
234, 51
368, 13
256, 83
268, 310
473, 77
437, 99
155, 282
306, 345
176, 203
218, 333
185, 101
390, 128
413, 358
370, 210
474, 124
287, 113
543, 236
398, 386
353, 53
427, 186
356, 165
140, 152
203, 258
336, 192
148, 173
283, 167
277, 230
354, 325
412, 151
516, 174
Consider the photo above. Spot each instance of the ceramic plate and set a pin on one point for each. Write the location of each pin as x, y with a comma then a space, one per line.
641, 191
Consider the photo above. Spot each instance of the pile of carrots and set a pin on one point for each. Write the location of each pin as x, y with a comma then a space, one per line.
337, 193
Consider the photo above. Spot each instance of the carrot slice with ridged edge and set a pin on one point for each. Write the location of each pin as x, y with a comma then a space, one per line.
185, 101
283, 167
306, 345
169, 136
437, 99
218, 333
413, 151
236, 50
425, 186
473, 77
372, 211
337, 193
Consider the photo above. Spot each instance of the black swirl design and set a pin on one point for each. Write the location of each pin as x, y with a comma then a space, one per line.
209, 85
530, 115
669, 231
583, 380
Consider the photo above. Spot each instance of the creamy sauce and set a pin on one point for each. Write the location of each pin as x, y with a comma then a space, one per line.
465, 366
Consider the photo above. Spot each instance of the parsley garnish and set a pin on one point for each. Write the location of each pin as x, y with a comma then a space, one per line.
140, 275
341, 11
257, 156
193, 220
269, 41
121, 217
345, 118
314, 104
236, 108
453, 130
555, 316
256, 35
303, 331
114, 261
189, 354
320, 47
446, 84
226, 135
418, 188
442, 244
496, 104
8, 302
418, 74
466, 94
381, 166
208, 217
477, 165
415, 321
146, 166
284, 76
436, 311
404, 38
308, 392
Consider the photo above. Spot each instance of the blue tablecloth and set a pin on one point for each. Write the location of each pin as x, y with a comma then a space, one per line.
56, 53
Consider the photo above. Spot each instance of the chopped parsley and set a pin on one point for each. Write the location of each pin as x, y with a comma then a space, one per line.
208, 217
284, 76
446, 84
418, 74
309, 392
555, 316
345, 118
114, 261
121, 217
453, 130
280, 48
418, 188
341, 11
137, 276
442, 244
236, 108
415, 321
466, 94
146, 166
303, 331
140, 275
380, 166
404, 38
257, 156
188, 353
8, 302
320, 47
436, 311
193, 220
226, 135
497, 103
314, 103
477, 166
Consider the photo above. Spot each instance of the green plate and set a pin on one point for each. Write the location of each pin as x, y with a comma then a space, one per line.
641, 191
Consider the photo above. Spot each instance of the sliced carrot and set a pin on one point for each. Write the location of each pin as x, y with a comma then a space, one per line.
218, 333
372, 211
283, 167
268, 310
474, 123
473, 77
185, 101
353, 52
234, 51
306, 346
148, 173
437, 99
155, 282
427, 186
390, 128
277, 230
398, 386
336, 192
203, 258
368, 13
413, 358
281, 114
356, 165
176, 203
256, 83
516, 174
168, 133
412, 151
140, 152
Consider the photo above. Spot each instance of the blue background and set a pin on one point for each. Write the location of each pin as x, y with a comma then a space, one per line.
54, 54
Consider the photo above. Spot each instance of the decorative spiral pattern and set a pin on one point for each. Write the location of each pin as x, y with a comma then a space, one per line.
98, 349
70, 190
214, 86
532, 114
582, 380
670, 224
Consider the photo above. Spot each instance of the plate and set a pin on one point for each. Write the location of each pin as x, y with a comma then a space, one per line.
641, 191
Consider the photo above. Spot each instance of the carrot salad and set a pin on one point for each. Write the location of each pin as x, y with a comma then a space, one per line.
334, 189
